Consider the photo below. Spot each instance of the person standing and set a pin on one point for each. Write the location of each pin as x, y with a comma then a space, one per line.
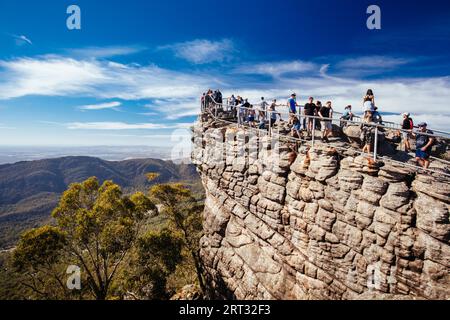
262, 109
292, 104
407, 127
369, 101
251, 116
219, 98
232, 101
202, 101
309, 111
367, 132
424, 143
326, 113
273, 113
316, 113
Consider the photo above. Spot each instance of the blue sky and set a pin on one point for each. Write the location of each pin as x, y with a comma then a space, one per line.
134, 72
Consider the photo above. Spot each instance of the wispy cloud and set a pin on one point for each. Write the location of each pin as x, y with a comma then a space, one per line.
369, 65
101, 106
277, 69
21, 40
105, 52
174, 95
123, 126
61, 76
5, 127
202, 51
374, 62
174, 109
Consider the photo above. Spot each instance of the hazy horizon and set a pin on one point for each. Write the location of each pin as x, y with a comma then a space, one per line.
14, 154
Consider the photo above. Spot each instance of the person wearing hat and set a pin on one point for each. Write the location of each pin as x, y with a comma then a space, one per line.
407, 127
424, 143
292, 104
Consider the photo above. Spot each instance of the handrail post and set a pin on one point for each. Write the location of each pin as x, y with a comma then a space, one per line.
313, 133
239, 115
375, 147
270, 123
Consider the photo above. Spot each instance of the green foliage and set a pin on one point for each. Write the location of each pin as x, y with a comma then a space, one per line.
126, 246
157, 256
39, 247
184, 214
96, 225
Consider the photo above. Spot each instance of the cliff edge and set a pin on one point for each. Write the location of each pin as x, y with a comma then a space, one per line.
285, 221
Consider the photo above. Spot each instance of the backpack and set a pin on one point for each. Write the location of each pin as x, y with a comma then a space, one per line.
411, 123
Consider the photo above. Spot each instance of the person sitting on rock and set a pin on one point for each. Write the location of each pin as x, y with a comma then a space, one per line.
376, 116
347, 116
424, 143
262, 124
296, 127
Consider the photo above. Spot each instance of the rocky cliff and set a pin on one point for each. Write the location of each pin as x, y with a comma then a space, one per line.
283, 221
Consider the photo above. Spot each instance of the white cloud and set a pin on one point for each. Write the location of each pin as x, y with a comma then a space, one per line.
123, 126
202, 51
175, 95
105, 52
101, 106
276, 69
428, 96
176, 108
360, 67
60, 76
373, 62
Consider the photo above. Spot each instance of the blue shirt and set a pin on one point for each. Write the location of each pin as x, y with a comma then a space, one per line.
292, 106
422, 140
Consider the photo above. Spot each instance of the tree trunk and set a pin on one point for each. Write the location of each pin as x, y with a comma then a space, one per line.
199, 270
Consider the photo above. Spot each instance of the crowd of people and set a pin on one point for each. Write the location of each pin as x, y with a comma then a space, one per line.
302, 120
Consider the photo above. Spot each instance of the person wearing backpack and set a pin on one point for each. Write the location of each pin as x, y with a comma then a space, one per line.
424, 143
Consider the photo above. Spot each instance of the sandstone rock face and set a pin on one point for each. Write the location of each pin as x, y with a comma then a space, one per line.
319, 224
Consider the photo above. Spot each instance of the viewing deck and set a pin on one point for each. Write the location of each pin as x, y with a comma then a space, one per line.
345, 137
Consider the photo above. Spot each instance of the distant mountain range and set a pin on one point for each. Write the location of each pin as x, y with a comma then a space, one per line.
30, 190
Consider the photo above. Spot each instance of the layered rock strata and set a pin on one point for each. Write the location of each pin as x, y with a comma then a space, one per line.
285, 221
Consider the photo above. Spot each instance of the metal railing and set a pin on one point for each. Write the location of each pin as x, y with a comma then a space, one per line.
241, 116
